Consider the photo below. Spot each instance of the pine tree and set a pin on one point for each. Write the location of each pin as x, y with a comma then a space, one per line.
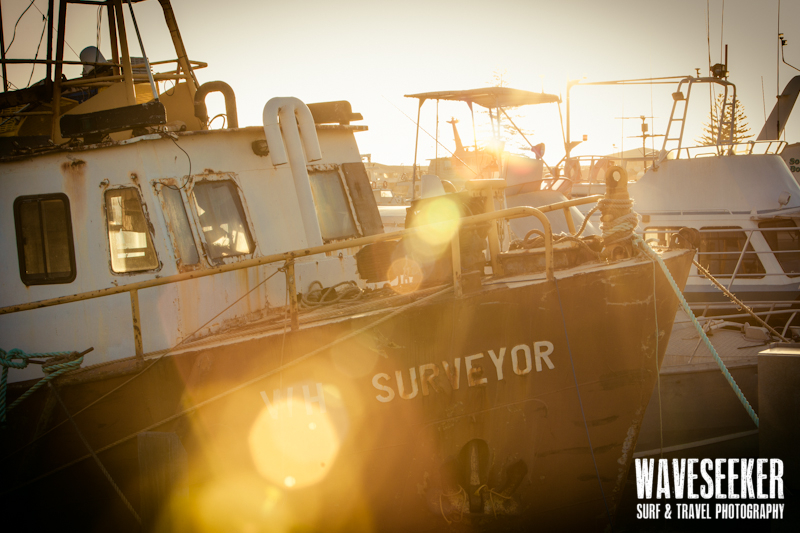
711, 128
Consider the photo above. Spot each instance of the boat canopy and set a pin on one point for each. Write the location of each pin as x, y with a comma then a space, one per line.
491, 97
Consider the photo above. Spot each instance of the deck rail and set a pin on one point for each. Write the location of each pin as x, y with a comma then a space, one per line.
289, 257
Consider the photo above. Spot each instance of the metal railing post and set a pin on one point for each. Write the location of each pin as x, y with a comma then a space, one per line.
741, 257
455, 246
570, 221
292, 288
137, 323
509, 213
494, 238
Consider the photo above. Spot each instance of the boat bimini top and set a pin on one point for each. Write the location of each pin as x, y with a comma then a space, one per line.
491, 97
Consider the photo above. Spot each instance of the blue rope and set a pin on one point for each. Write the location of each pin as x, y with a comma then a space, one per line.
580, 402
739, 394
16, 358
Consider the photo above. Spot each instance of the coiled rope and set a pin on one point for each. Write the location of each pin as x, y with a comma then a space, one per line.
328, 296
618, 222
59, 363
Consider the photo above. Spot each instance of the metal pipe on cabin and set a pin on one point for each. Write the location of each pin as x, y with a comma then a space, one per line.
567, 141
513, 212
177, 41
153, 87
62, 25
3, 50
416, 146
200, 109
127, 73
289, 129
50, 13
112, 36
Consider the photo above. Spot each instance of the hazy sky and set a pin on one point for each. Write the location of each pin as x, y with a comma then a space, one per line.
372, 53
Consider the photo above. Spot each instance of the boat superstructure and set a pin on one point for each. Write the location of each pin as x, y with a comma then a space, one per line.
239, 345
740, 198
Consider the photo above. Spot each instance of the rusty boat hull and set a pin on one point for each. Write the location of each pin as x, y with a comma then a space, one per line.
455, 412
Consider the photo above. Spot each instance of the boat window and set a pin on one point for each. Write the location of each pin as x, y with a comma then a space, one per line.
222, 219
128, 232
664, 236
720, 249
785, 243
333, 206
179, 225
45, 247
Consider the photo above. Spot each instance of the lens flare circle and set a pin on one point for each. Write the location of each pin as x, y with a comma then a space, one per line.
289, 446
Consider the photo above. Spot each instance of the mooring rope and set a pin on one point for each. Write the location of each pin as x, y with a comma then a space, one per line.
61, 363
685, 306
732, 297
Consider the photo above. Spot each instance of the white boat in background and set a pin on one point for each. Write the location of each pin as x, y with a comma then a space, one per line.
743, 203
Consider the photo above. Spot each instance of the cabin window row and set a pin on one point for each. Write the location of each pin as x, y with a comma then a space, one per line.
45, 244
219, 224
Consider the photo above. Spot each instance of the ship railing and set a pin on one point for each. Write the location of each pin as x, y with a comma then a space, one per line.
102, 81
592, 165
722, 149
290, 257
776, 308
737, 255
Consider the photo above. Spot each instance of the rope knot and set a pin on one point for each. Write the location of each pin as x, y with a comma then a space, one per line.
7, 359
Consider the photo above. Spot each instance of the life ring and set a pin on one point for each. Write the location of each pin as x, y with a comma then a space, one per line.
373, 184
385, 185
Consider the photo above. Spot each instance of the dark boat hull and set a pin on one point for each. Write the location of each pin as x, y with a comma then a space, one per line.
396, 447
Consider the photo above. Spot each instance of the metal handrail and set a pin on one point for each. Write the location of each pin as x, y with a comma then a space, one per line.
727, 148
514, 212
289, 257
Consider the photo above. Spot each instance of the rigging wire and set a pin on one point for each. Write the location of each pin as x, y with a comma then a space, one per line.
423, 130
65, 40
99, 21
721, 30
189, 176
14, 35
41, 38
145, 369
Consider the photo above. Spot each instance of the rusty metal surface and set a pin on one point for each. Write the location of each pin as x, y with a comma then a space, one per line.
398, 460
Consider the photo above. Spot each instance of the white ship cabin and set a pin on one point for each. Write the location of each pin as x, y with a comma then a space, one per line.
144, 190
744, 204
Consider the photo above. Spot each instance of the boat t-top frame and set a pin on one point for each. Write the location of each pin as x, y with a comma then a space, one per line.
52, 87
495, 99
